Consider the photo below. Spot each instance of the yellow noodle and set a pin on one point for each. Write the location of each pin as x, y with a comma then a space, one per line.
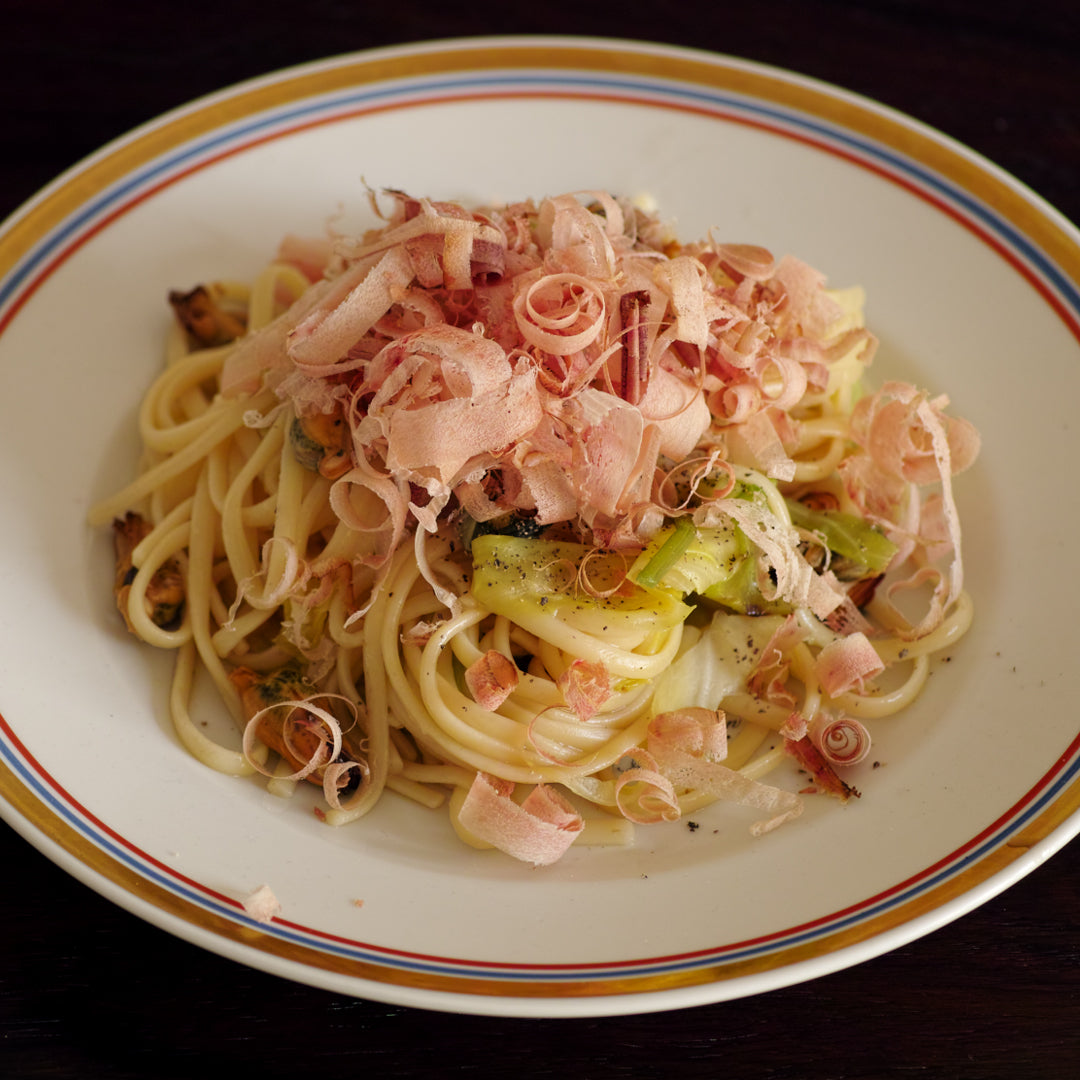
225, 422
267, 566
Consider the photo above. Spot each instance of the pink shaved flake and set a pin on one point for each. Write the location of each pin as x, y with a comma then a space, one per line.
735, 401
538, 830
585, 686
321, 339
610, 432
796, 581
262, 356
576, 239
549, 487
443, 397
746, 260
681, 279
643, 794
788, 383
759, 435
491, 679
842, 665
805, 305
935, 529
448, 243
560, 313
810, 758
846, 618
338, 776
841, 740
262, 905
309, 255
768, 680
370, 503
689, 745
794, 727
446, 435
678, 411
700, 733
567, 371
908, 437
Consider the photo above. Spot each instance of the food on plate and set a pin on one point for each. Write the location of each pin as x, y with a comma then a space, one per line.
539, 513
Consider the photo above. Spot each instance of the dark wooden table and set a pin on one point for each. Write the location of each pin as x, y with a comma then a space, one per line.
87, 990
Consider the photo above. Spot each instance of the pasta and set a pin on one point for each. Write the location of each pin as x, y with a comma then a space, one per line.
537, 514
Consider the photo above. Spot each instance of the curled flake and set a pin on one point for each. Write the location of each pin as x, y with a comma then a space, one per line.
293, 576
585, 685
688, 733
491, 679
446, 436
735, 401
815, 763
308, 254
795, 580
784, 380
846, 618
768, 680
741, 261
444, 397
585, 571
539, 830
261, 356
560, 313
643, 794
676, 409
340, 776
445, 244
805, 307
844, 664
684, 481
576, 239
682, 279
762, 443
375, 504
841, 740
307, 739
320, 340
606, 451
689, 746
908, 438
935, 612
908, 434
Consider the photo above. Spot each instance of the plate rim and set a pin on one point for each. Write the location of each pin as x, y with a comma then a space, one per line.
1041, 836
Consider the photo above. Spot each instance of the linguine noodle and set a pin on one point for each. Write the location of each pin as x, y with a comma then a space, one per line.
539, 515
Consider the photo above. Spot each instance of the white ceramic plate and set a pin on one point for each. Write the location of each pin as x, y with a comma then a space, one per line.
973, 289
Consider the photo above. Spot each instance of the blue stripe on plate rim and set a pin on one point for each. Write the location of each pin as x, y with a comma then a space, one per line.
50, 793
275, 123
59, 243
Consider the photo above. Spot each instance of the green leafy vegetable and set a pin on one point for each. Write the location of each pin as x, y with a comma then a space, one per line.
532, 579
846, 535
670, 552
718, 563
